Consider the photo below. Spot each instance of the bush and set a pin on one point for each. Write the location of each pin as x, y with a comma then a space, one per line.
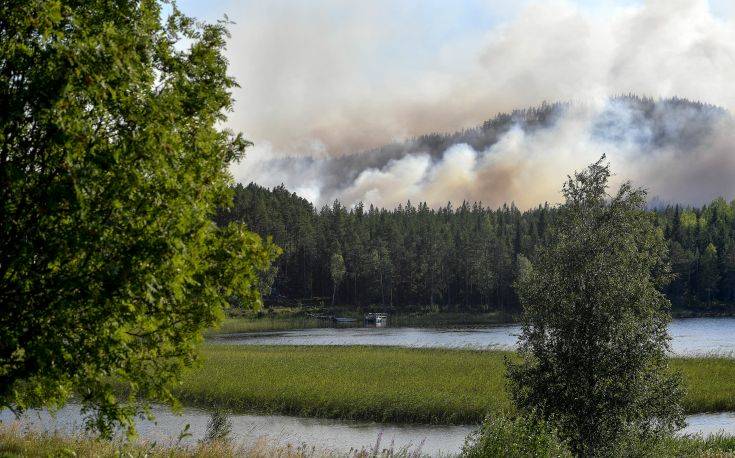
219, 428
716, 445
522, 436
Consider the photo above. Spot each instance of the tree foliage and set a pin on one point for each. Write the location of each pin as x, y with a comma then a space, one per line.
337, 272
112, 162
464, 257
594, 335
522, 436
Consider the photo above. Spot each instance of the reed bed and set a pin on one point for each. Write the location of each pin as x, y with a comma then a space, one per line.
390, 384
385, 384
239, 325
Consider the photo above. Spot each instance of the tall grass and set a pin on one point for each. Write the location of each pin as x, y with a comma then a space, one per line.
390, 384
710, 383
374, 383
15, 442
236, 325
526, 437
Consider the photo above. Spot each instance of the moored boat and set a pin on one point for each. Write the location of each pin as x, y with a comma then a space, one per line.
338, 319
377, 318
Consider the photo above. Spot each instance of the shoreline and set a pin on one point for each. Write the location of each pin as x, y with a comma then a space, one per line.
294, 321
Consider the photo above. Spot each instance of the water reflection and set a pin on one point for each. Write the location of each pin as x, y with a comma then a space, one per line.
690, 336
331, 435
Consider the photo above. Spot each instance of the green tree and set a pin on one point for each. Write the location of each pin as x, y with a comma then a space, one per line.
337, 271
380, 265
594, 331
709, 275
112, 162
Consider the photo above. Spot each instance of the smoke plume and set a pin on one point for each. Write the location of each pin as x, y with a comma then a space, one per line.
681, 151
321, 92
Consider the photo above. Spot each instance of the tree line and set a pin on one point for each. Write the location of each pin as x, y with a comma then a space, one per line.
453, 258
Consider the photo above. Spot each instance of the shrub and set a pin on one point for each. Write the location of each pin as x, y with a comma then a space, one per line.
219, 428
522, 436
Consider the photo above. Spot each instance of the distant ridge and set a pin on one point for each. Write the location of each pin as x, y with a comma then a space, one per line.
651, 123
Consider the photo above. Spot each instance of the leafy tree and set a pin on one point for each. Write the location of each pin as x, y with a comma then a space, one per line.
112, 161
594, 329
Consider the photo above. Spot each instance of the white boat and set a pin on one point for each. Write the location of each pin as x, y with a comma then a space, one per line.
377, 318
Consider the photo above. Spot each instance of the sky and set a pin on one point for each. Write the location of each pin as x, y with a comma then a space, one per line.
325, 78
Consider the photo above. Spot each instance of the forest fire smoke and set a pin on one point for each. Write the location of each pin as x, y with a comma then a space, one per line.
332, 95
681, 152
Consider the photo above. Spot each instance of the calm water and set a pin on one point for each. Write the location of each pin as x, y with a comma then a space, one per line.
334, 435
690, 336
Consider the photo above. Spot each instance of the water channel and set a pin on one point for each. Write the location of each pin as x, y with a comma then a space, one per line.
690, 336
325, 434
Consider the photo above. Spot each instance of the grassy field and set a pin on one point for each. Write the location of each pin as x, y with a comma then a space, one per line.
389, 384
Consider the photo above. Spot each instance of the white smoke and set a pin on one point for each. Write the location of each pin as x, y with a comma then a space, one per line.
320, 96
527, 166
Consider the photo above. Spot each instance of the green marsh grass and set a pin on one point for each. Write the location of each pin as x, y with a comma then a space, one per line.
710, 383
390, 384
384, 384
236, 325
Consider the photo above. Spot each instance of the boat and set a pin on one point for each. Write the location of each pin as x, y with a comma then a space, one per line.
338, 319
377, 318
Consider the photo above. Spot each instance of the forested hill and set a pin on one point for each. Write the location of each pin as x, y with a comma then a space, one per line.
651, 123
453, 258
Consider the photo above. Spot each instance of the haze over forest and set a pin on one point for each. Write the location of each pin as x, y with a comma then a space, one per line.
317, 105
682, 151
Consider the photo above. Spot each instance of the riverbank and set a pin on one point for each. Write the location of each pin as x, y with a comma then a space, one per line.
15, 442
394, 385
283, 318
299, 320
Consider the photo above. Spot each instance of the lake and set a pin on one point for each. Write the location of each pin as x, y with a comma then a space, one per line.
335, 435
690, 336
